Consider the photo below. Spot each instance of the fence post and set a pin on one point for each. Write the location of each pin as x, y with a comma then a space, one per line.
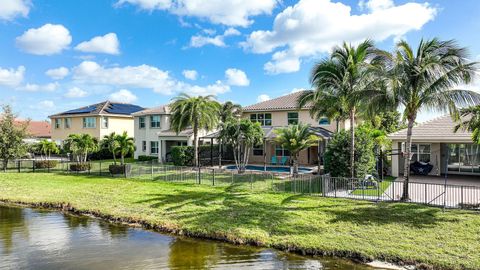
335, 186
18, 164
363, 188
199, 175
426, 201
33, 165
310, 185
151, 169
213, 177
100, 168
251, 184
461, 197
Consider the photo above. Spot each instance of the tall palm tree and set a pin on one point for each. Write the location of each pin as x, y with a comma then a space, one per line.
230, 111
324, 104
125, 145
470, 120
81, 145
425, 79
201, 112
295, 138
109, 142
341, 78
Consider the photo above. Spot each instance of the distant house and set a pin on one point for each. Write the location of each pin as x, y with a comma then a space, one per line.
97, 120
281, 112
436, 143
154, 136
37, 130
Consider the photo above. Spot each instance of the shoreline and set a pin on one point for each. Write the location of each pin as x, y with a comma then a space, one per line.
356, 257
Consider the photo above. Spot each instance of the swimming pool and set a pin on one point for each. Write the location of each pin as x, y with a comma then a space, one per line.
279, 169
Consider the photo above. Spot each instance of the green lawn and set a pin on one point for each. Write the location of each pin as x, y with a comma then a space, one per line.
376, 192
395, 232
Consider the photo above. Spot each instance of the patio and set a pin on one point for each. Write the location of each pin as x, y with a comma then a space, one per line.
460, 180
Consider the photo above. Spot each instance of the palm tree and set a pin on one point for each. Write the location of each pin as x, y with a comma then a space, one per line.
470, 120
124, 145
81, 145
295, 138
109, 142
47, 147
342, 77
425, 79
230, 111
324, 104
202, 112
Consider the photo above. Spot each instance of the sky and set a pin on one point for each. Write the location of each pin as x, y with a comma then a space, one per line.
57, 55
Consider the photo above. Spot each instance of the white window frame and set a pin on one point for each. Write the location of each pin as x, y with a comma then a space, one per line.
159, 121
142, 120
144, 146
263, 121
104, 120
152, 147
58, 123
68, 122
86, 124
296, 119
416, 154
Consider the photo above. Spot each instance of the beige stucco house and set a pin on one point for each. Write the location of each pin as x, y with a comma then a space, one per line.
436, 143
97, 120
281, 112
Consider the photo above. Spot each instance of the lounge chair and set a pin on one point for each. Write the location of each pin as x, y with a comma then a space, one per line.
284, 160
274, 160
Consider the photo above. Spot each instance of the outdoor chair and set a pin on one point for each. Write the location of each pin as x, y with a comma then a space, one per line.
274, 160
284, 160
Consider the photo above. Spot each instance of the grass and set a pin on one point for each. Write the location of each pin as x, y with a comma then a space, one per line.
396, 232
375, 192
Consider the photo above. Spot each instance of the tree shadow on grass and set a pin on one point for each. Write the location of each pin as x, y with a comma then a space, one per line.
412, 215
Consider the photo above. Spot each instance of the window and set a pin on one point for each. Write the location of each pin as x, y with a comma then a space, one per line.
324, 121
141, 122
421, 152
104, 122
265, 119
144, 146
258, 150
68, 122
292, 118
463, 158
89, 122
153, 147
281, 152
155, 121
58, 123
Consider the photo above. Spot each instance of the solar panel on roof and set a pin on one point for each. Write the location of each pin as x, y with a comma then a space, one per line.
118, 108
88, 109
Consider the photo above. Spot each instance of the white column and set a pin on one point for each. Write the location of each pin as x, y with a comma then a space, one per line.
159, 154
395, 158
163, 148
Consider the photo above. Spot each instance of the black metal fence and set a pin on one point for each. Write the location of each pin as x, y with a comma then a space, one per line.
99, 168
443, 195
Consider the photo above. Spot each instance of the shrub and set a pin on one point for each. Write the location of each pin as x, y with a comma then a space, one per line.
119, 169
146, 158
45, 164
337, 154
80, 167
182, 155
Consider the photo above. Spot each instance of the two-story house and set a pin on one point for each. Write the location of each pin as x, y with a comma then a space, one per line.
153, 135
97, 120
281, 112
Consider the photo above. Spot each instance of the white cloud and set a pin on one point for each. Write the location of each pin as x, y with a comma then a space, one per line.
46, 40
236, 77
10, 9
231, 13
12, 77
218, 40
263, 97
190, 74
143, 76
312, 27
108, 44
33, 87
44, 104
75, 92
57, 73
123, 96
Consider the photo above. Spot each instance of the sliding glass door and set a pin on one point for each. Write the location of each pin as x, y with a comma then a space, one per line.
464, 158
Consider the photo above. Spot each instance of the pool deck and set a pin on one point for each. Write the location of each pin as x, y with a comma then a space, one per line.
312, 169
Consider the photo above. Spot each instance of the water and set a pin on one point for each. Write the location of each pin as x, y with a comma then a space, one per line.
270, 168
41, 239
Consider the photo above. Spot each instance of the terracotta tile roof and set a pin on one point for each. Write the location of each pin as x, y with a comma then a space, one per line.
287, 102
436, 130
163, 109
37, 129
105, 108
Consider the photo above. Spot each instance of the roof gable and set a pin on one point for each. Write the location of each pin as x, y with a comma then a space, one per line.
286, 102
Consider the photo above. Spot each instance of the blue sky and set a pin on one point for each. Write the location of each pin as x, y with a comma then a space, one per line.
57, 55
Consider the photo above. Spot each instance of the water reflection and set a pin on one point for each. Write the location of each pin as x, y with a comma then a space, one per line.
33, 239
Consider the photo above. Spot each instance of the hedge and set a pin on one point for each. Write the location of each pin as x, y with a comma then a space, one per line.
45, 164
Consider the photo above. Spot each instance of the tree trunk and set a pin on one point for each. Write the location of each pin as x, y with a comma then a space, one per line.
352, 142
195, 145
114, 158
5, 164
407, 156
337, 124
123, 159
295, 165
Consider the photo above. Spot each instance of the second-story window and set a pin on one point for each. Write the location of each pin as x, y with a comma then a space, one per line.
58, 123
324, 121
68, 122
155, 121
89, 122
104, 122
265, 119
141, 122
292, 118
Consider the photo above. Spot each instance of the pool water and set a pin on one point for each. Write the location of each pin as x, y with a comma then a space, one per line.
282, 169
